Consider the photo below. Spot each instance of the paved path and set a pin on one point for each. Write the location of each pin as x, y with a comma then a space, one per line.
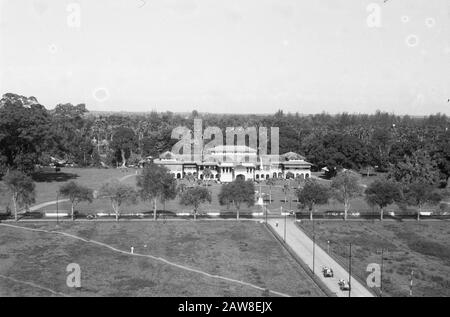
303, 247
53, 202
42, 205
127, 176
49, 203
135, 254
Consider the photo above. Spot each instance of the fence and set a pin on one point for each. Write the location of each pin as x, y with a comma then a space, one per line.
357, 273
370, 215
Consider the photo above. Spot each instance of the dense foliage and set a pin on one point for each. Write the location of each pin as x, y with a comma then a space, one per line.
30, 134
156, 183
194, 196
237, 193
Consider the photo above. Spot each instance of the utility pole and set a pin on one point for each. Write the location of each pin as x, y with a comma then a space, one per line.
262, 200
411, 284
381, 274
290, 196
57, 209
350, 272
285, 218
314, 247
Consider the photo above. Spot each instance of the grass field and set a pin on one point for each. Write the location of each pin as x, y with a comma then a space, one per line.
244, 251
423, 247
48, 184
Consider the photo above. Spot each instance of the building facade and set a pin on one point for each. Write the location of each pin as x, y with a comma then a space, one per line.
226, 163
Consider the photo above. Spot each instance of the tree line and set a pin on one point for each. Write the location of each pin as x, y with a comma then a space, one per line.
382, 192
30, 134
156, 184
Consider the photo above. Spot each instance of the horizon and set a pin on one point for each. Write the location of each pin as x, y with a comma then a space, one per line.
266, 114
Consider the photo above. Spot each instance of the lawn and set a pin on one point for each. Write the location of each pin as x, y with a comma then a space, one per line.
423, 247
48, 184
274, 199
244, 251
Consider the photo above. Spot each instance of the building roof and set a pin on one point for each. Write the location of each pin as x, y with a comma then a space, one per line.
225, 164
296, 162
168, 162
247, 164
208, 163
190, 163
167, 156
291, 156
231, 149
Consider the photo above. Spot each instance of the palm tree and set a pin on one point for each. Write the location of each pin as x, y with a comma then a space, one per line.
270, 182
207, 174
286, 190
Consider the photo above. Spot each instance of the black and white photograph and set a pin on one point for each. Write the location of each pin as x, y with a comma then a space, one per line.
224, 154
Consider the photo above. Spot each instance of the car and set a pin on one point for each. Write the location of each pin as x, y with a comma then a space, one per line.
344, 285
327, 272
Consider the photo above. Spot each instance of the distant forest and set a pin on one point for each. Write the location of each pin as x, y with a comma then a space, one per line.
30, 134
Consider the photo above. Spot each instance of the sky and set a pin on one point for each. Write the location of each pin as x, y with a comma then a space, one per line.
229, 56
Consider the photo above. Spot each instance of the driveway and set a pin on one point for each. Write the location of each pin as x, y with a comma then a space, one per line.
303, 247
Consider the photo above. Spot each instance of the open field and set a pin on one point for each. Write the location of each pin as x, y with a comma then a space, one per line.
48, 184
423, 247
243, 251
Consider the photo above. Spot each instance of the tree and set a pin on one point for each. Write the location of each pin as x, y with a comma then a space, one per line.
207, 174
70, 112
226, 195
169, 190
312, 194
419, 194
190, 178
270, 182
118, 193
381, 141
441, 154
124, 140
158, 139
237, 193
346, 186
382, 193
195, 196
336, 151
417, 168
25, 132
76, 193
286, 191
22, 189
81, 149
98, 130
181, 188
155, 183
72, 133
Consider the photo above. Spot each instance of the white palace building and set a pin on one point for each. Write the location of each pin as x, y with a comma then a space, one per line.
225, 163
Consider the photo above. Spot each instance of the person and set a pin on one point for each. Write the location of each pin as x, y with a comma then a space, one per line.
276, 223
